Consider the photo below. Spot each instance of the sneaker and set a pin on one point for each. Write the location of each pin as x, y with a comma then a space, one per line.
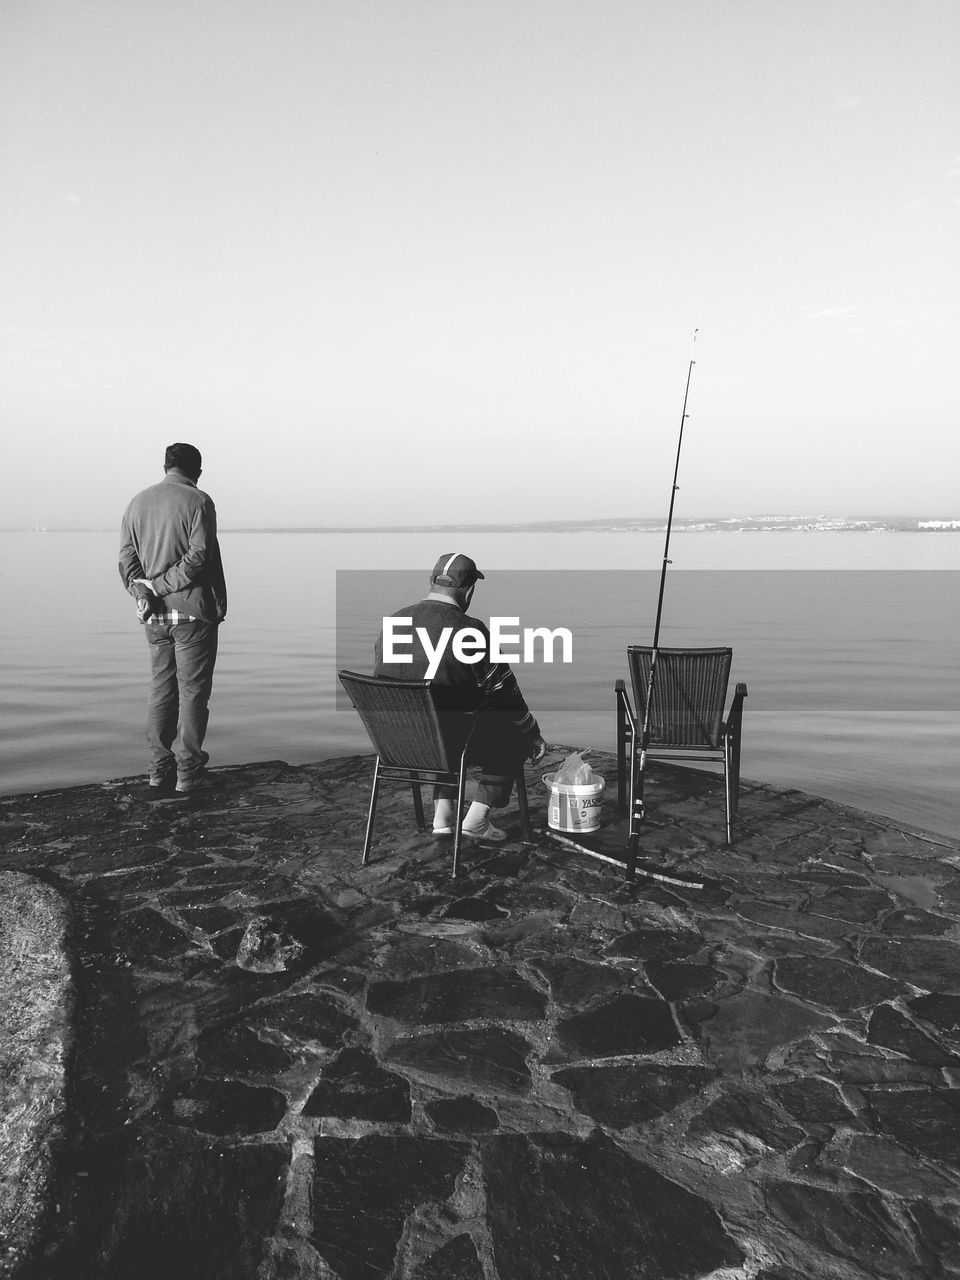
198, 784
162, 789
487, 832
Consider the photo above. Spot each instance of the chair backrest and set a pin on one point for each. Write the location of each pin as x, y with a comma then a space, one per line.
689, 691
405, 724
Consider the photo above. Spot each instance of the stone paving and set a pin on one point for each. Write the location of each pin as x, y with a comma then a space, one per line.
286, 1066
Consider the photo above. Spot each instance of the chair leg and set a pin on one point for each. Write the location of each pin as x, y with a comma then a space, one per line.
458, 815
368, 838
731, 775
735, 771
731, 757
418, 805
525, 830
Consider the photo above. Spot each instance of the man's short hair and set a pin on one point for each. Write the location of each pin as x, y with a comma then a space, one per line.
184, 457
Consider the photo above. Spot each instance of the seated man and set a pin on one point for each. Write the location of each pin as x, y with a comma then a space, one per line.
506, 732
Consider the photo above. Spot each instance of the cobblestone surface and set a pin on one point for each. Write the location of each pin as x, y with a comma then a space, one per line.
749, 1067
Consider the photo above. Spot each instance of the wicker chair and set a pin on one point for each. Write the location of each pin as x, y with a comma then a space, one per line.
685, 723
417, 741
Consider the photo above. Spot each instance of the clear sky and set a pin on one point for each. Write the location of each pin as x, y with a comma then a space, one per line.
425, 261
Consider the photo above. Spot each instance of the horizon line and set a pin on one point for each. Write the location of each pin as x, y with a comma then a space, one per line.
658, 523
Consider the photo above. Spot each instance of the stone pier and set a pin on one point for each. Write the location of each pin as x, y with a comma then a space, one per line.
234, 1053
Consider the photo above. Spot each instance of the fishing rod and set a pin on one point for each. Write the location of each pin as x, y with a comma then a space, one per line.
673, 497
637, 808
651, 873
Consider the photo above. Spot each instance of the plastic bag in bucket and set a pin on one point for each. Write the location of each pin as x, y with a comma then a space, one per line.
576, 796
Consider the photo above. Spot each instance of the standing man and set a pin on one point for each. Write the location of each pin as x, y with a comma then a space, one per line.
506, 732
170, 562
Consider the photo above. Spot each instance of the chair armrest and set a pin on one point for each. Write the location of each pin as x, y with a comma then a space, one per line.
623, 705
626, 732
735, 714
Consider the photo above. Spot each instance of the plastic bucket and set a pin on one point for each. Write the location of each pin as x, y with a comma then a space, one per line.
574, 809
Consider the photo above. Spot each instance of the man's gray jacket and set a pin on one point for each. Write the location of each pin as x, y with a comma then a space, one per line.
169, 535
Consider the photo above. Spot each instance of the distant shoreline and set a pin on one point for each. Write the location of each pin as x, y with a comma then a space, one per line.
709, 524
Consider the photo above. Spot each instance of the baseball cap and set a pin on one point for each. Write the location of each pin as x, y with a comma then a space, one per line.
456, 570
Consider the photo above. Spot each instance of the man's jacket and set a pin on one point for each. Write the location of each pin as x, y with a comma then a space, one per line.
169, 535
466, 686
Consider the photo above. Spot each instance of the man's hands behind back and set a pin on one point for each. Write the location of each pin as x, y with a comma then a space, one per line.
147, 604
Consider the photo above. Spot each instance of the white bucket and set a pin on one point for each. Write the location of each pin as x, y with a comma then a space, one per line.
575, 809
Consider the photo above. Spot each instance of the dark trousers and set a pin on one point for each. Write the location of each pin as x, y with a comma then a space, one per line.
182, 658
499, 750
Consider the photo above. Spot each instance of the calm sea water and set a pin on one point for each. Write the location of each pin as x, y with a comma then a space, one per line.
847, 643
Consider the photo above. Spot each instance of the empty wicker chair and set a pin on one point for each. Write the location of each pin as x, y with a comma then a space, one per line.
418, 741
685, 722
